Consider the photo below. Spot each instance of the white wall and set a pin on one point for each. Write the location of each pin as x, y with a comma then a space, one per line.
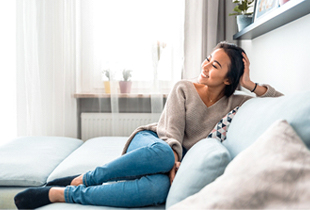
281, 57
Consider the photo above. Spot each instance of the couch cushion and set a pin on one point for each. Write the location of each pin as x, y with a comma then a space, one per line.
28, 161
94, 152
257, 114
201, 165
273, 173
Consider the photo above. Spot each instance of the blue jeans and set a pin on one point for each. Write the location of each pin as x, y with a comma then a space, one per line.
137, 178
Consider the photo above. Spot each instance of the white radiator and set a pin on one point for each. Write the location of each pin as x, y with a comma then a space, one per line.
101, 124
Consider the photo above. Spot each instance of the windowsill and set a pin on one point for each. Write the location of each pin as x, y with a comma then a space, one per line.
119, 95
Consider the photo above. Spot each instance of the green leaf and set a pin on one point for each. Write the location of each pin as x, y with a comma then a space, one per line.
231, 14
242, 7
237, 9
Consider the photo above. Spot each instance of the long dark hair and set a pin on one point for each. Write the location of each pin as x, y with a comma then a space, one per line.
236, 68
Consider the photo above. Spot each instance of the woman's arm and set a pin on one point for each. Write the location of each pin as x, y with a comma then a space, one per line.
247, 83
258, 89
171, 124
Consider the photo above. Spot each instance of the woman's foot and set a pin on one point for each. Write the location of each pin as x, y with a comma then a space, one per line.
63, 182
32, 198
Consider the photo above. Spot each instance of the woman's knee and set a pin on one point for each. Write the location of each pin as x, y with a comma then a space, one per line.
164, 152
142, 139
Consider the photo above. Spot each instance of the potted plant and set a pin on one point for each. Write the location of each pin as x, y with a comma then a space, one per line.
125, 85
106, 73
244, 18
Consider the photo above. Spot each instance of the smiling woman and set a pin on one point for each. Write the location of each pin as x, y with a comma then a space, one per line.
221, 70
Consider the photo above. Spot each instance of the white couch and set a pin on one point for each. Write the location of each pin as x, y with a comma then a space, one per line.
33, 161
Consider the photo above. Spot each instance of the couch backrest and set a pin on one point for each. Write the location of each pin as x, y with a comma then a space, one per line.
257, 114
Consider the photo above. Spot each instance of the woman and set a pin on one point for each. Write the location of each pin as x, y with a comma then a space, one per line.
143, 174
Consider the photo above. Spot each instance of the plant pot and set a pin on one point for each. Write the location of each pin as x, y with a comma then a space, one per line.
243, 21
107, 88
125, 86
281, 2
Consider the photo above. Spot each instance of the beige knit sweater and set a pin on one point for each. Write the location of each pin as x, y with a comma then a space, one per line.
186, 120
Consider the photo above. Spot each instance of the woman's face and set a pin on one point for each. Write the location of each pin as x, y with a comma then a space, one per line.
214, 69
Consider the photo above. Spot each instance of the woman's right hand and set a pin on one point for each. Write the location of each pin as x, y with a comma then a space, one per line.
175, 167
174, 170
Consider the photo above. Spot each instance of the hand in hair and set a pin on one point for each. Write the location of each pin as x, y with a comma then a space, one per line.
245, 80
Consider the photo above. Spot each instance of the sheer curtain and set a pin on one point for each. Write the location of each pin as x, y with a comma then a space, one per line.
46, 66
63, 47
8, 70
122, 34
206, 23
145, 37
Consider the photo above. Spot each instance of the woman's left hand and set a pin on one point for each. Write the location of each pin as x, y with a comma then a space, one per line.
245, 80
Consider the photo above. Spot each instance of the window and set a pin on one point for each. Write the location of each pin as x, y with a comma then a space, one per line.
122, 34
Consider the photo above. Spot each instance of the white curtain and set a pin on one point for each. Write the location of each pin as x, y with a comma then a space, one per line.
121, 34
64, 45
206, 23
146, 37
8, 70
46, 65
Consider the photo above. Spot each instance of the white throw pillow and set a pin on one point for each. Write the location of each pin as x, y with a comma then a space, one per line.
274, 172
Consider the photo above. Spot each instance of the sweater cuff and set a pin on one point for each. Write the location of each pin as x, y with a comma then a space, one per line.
176, 146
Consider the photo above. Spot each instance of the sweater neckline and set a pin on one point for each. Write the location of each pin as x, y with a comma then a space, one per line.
201, 101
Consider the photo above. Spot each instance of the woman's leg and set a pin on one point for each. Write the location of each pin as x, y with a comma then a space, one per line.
145, 191
146, 154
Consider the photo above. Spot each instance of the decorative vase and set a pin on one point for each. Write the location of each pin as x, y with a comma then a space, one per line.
107, 86
125, 86
243, 21
281, 2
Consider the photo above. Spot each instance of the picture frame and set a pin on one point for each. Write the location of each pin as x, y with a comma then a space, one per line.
263, 7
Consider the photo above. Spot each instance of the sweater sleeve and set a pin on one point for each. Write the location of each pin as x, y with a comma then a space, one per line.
271, 92
171, 124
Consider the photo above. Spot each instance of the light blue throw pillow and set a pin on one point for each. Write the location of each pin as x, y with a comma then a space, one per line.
257, 114
201, 165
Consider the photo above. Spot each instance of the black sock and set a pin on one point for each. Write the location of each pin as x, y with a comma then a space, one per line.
62, 182
32, 198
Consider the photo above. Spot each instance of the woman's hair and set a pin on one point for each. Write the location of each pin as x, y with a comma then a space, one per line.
236, 68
